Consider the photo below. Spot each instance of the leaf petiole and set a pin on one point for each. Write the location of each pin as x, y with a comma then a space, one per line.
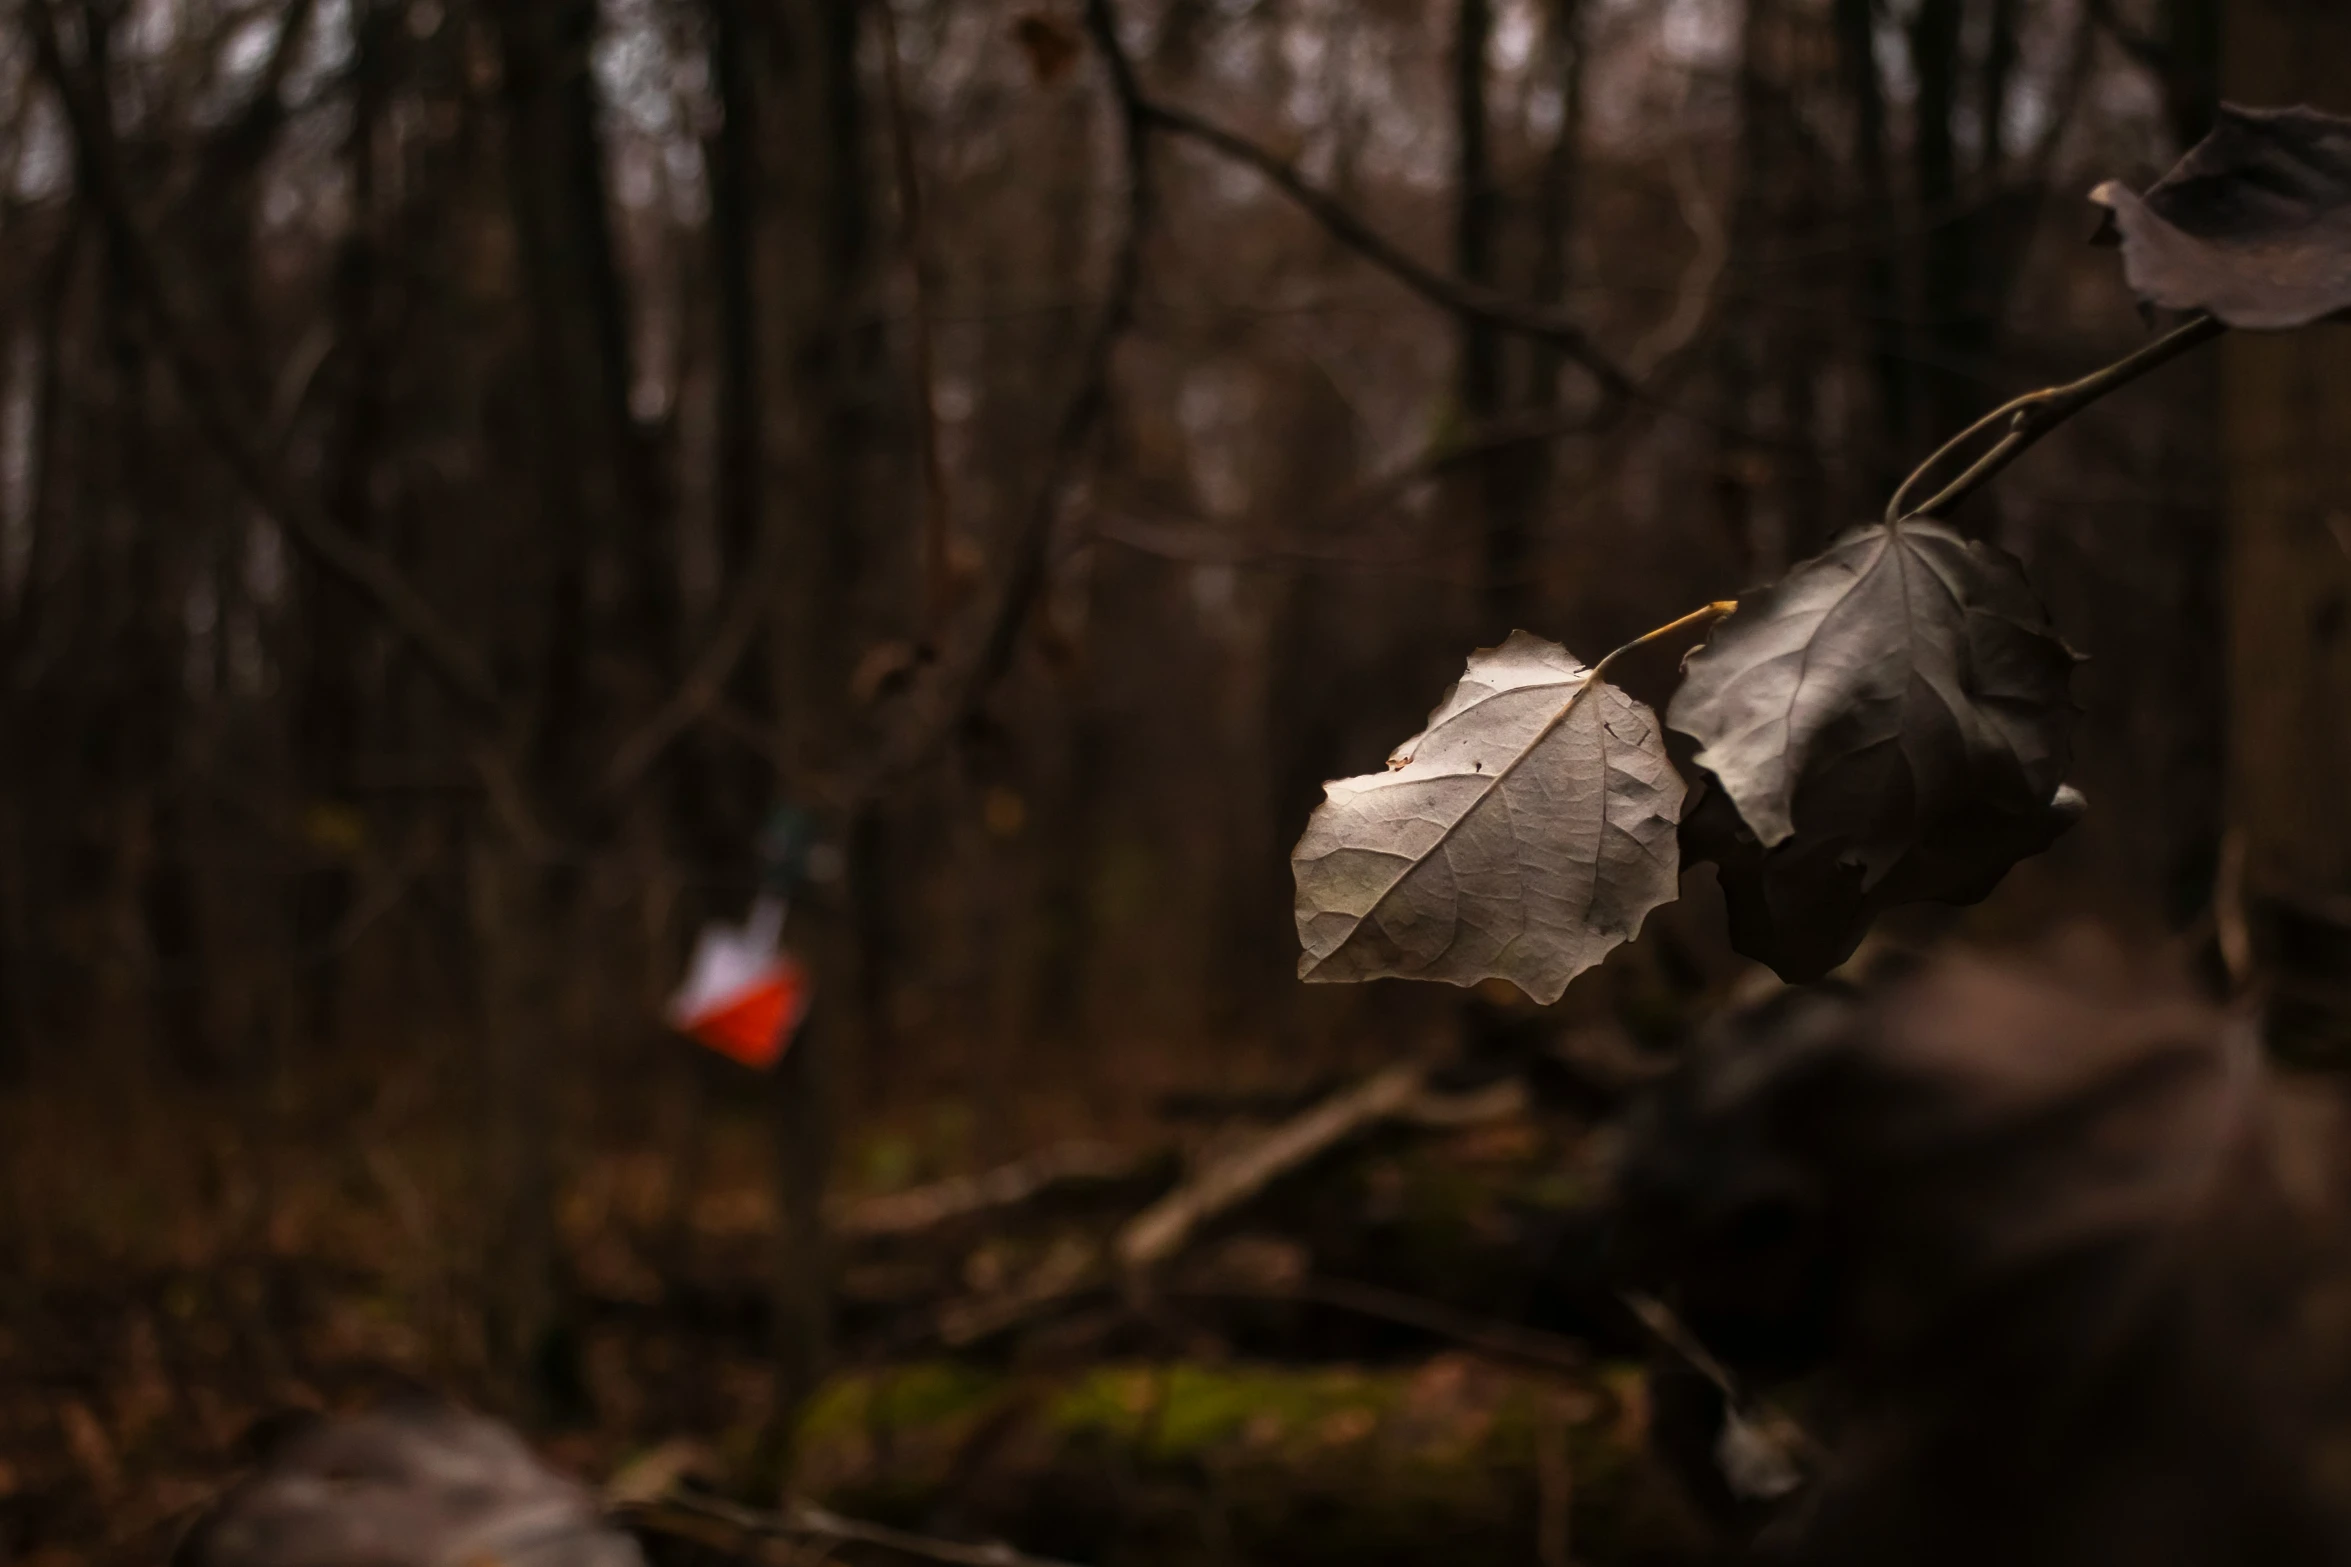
1704, 615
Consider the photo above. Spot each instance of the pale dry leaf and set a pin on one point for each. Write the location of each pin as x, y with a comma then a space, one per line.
1522, 836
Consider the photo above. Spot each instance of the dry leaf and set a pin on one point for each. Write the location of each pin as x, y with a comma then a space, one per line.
1889, 723
1522, 836
2253, 225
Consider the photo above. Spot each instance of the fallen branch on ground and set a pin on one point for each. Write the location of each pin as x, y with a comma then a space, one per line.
1165, 1228
1012, 1185
729, 1526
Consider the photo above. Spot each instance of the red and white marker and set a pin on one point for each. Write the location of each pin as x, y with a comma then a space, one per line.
744, 996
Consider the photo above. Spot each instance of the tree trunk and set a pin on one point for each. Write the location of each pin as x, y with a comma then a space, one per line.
593, 514
2286, 422
1477, 224
1564, 61
833, 343
719, 793
2190, 31
1877, 285
1772, 486
590, 520
20, 777
329, 700
529, 1326
1953, 372
738, 55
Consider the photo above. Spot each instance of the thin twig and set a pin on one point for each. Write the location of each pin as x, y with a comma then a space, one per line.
1168, 1225
1740, 1406
1342, 223
510, 806
220, 412
1374, 493
957, 697
1361, 501
2034, 415
1667, 1329
1197, 542
706, 682
1448, 453
679, 1512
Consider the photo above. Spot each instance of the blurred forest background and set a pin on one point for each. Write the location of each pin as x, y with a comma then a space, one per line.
463, 462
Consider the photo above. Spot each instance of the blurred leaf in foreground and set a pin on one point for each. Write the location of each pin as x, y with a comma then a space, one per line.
415, 1482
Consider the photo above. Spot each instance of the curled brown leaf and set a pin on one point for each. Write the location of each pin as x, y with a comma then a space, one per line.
2253, 226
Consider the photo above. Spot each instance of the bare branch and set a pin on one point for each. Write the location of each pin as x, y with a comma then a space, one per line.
215, 405
1360, 502
706, 682
1438, 287
957, 693
952, 701
2034, 415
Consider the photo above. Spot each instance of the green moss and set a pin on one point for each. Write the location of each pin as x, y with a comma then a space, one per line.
927, 1402
940, 1390
1179, 1412
1183, 1462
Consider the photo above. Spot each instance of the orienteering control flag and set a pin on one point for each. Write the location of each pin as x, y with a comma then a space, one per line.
744, 996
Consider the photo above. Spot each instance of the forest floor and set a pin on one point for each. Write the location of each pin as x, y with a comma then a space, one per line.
1395, 1352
